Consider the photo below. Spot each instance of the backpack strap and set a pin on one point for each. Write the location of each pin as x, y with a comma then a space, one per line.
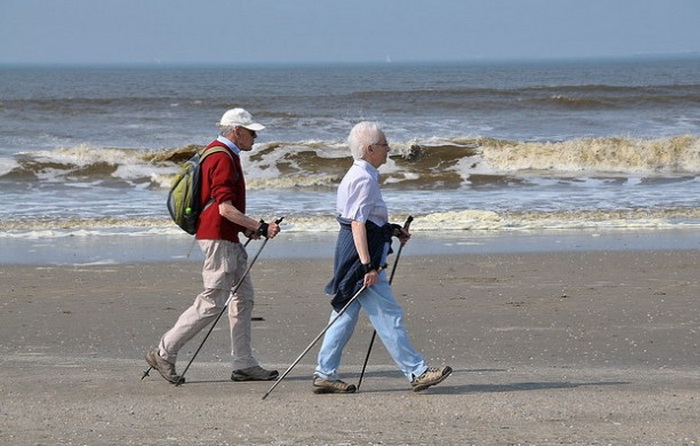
206, 153
213, 149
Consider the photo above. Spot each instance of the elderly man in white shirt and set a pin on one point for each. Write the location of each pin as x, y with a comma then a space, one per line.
364, 242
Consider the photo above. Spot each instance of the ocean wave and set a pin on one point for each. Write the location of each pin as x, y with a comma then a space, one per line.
571, 102
466, 220
608, 97
586, 97
433, 164
624, 156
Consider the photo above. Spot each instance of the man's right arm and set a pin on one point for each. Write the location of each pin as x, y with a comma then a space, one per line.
232, 214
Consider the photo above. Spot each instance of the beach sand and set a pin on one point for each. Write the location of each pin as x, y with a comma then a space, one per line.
586, 348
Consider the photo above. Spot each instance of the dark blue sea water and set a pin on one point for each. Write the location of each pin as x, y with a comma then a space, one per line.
90, 151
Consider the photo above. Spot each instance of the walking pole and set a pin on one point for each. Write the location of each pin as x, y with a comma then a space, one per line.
391, 279
306, 350
223, 310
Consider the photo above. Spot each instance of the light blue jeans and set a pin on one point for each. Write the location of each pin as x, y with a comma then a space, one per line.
386, 316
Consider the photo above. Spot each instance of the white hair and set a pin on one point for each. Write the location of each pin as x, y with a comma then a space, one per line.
362, 135
226, 129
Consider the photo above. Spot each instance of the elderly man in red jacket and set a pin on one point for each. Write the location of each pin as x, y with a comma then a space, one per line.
225, 258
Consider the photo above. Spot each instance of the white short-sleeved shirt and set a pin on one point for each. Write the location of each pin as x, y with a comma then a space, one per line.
359, 197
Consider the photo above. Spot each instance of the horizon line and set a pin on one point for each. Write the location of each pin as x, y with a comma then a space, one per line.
159, 63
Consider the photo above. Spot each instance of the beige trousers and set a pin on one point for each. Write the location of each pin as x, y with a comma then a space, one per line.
224, 265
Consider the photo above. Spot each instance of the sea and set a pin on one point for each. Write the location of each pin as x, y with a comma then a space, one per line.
478, 149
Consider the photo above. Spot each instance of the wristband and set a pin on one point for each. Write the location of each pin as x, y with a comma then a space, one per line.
262, 230
368, 267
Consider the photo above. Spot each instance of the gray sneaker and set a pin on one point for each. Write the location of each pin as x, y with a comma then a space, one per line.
255, 373
432, 376
165, 368
325, 386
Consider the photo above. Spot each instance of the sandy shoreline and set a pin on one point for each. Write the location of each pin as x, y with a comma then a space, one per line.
568, 347
177, 248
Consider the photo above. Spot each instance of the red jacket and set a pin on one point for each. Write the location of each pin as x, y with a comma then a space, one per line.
222, 180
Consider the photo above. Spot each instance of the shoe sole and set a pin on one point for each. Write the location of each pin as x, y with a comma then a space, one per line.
323, 390
422, 387
240, 378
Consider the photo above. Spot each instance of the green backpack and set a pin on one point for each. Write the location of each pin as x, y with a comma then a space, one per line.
184, 197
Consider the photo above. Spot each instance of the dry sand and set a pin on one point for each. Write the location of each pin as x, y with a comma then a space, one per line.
589, 348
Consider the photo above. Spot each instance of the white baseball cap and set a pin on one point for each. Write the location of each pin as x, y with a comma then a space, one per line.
238, 117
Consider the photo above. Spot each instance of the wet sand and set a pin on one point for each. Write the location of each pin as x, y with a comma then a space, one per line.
569, 347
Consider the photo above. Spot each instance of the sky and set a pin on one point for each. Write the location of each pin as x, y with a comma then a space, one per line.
349, 31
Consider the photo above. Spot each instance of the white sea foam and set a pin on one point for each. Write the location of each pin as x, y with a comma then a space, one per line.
85, 155
677, 155
141, 171
468, 220
7, 165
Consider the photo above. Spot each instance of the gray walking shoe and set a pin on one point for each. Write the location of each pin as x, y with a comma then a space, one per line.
432, 376
255, 373
326, 386
165, 368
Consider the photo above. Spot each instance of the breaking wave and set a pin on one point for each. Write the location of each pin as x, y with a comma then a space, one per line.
458, 184
434, 164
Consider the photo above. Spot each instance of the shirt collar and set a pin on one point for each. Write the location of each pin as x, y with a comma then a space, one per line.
227, 142
367, 167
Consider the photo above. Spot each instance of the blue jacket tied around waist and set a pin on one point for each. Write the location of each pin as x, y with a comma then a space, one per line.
348, 272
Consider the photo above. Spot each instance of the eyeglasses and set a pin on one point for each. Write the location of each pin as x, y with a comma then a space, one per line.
251, 132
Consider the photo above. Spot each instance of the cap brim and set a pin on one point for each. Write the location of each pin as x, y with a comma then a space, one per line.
254, 127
